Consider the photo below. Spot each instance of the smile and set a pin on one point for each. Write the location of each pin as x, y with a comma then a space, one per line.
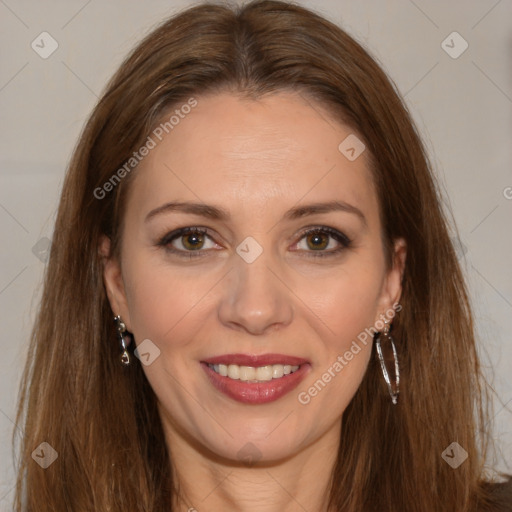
252, 374
255, 379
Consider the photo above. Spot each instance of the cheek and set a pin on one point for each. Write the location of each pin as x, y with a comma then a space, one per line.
347, 302
347, 306
347, 311
162, 301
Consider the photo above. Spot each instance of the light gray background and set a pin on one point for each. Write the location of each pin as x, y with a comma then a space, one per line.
462, 107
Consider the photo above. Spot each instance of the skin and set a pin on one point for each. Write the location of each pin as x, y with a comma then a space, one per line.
257, 160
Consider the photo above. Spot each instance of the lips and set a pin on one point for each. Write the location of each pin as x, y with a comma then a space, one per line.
256, 392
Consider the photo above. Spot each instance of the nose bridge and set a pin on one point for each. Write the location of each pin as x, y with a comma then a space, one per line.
255, 299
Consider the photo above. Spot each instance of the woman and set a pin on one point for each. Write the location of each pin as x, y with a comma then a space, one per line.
247, 213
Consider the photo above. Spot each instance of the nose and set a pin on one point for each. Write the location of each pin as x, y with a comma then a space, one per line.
255, 298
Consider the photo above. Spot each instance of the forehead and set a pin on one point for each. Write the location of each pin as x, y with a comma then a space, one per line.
250, 155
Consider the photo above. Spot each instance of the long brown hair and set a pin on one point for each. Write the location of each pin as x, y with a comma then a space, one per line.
102, 418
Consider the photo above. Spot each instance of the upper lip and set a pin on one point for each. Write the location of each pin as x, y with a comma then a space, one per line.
255, 360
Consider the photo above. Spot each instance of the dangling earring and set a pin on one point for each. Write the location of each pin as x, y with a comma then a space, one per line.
124, 340
384, 339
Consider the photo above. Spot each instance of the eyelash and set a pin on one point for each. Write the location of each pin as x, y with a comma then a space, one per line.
341, 238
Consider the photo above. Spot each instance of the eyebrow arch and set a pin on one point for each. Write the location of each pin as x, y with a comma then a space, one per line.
218, 213
331, 206
201, 209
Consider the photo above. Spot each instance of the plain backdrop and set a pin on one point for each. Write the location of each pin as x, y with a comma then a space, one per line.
462, 105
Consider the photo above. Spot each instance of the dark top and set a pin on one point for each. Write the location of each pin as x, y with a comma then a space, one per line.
501, 494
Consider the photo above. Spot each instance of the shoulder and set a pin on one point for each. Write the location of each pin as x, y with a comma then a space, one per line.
500, 495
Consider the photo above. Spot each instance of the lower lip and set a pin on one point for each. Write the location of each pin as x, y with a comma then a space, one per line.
257, 392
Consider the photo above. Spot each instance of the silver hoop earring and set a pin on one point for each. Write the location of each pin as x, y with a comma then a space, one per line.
124, 340
384, 340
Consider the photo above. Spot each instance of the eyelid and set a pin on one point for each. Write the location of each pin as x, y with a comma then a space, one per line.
336, 234
343, 240
175, 234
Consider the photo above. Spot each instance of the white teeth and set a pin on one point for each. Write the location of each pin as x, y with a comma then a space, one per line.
264, 373
247, 373
277, 371
233, 371
252, 374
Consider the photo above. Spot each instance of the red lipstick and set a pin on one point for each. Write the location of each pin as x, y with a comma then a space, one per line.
261, 392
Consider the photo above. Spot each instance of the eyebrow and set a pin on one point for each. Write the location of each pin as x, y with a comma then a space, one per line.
218, 213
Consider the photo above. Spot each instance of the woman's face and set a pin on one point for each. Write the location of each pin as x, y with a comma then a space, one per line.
286, 270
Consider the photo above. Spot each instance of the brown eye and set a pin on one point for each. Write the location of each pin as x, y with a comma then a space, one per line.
186, 241
323, 241
317, 241
193, 241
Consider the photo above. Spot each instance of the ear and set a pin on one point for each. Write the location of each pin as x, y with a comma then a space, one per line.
113, 280
392, 285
